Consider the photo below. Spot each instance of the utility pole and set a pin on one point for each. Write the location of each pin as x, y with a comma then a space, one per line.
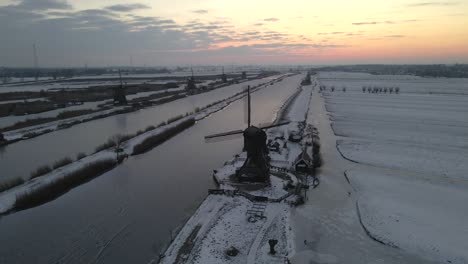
36, 62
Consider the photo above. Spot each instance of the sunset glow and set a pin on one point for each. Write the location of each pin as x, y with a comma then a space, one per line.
236, 32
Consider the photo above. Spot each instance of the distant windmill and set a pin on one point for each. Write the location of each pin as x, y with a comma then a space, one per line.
191, 86
244, 75
256, 167
224, 77
119, 92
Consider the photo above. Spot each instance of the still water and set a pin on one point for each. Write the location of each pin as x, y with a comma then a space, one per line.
126, 215
19, 159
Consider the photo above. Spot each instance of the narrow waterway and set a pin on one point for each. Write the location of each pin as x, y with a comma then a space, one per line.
19, 159
126, 215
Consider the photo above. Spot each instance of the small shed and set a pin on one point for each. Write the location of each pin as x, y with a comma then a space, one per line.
303, 163
274, 146
295, 136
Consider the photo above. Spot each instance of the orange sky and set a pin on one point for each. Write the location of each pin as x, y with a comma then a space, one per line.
293, 31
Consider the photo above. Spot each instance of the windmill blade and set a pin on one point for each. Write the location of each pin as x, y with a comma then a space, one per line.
223, 138
275, 125
225, 134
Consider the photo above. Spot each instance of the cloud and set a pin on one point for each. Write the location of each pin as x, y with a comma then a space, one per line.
394, 36
126, 7
365, 23
200, 11
43, 4
258, 24
271, 19
433, 4
105, 36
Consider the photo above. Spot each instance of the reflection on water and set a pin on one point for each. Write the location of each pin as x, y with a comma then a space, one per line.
24, 156
126, 215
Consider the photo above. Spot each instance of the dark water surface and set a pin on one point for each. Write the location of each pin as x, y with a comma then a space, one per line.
19, 159
125, 215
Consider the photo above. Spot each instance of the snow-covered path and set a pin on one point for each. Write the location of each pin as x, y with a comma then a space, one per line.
327, 228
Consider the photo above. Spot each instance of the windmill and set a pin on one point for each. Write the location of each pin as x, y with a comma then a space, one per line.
223, 77
256, 167
191, 87
119, 93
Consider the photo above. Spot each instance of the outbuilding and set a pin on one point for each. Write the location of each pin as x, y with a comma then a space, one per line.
303, 163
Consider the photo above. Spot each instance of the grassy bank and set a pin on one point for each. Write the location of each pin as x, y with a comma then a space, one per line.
155, 140
60, 186
7, 184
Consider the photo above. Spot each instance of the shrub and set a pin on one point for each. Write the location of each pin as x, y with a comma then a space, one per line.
316, 156
74, 113
155, 140
58, 187
124, 138
61, 163
109, 144
80, 155
8, 184
149, 128
175, 118
40, 171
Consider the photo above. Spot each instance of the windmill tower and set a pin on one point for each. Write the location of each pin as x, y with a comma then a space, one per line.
223, 77
191, 87
256, 167
119, 92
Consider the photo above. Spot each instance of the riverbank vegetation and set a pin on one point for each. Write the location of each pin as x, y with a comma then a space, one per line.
56, 188
155, 140
8, 184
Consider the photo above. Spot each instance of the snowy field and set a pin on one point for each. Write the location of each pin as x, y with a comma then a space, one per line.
82, 82
413, 149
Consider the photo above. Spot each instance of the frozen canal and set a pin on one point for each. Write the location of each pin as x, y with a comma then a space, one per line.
126, 215
46, 149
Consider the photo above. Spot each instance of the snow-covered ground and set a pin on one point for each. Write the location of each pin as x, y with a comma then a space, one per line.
412, 149
81, 82
223, 221
406, 83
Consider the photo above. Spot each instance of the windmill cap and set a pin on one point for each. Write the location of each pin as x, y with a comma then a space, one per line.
253, 131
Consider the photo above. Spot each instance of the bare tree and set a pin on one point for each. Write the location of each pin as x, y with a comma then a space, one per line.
119, 151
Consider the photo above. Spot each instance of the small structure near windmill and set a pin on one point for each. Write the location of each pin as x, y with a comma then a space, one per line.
303, 163
119, 93
295, 136
274, 146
